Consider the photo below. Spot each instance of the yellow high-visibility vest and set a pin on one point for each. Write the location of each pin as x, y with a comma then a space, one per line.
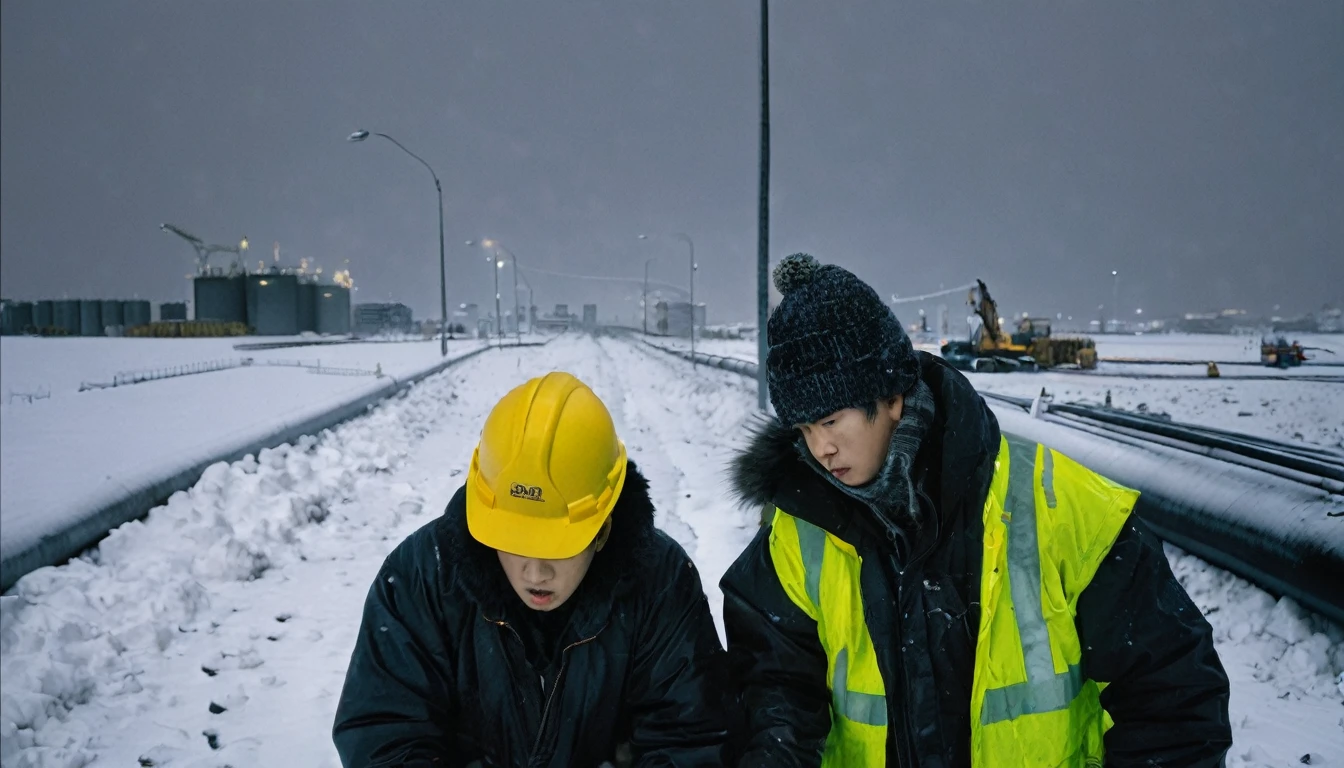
1049, 523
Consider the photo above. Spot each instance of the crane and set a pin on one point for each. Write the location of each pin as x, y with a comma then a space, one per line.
203, 250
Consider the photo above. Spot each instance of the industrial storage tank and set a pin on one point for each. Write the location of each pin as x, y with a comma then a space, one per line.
18, 318
65, 316
173, 310
135, 313
90, 317
333, 310
42, 314
224, 299
112, 314
273, 304
307, 303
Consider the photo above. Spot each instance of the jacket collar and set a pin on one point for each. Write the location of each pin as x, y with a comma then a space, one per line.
956, 460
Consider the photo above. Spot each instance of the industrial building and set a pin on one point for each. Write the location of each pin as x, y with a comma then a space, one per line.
16, 316
274, 303
73, 317
135, 312
170, 311
220, 298
331, 308
383, 318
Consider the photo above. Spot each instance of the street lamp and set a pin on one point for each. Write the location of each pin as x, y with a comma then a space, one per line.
1115, 301
644, 301
496, 246
444, 329
682, 236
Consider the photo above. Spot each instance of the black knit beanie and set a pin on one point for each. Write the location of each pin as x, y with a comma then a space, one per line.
833, 344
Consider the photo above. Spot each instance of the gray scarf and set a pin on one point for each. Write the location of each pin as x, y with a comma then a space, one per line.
891, 495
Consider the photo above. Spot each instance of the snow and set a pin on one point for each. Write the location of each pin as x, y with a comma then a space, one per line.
65, 458
60, 365
1285, 665
1202, 347
258, 573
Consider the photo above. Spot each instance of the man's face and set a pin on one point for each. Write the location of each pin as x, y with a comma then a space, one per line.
544, 585
850, 446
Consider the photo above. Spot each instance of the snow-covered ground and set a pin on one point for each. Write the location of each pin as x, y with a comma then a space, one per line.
1249, 399
60, 365
245, 592
68, 455
1202, 347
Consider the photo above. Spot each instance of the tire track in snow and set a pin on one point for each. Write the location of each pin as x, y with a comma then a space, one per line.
643, 445
690, 422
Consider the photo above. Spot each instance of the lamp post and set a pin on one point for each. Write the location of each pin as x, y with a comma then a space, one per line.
530, 300
644, 300
682, 236
496, 247
1115, 301
444, 329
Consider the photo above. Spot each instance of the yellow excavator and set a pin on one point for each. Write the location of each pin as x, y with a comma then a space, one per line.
1029, 348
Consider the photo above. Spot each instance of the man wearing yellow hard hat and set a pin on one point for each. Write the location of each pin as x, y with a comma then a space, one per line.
542, 620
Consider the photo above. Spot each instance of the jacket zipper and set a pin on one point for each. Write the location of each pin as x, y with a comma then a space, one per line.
905, 756
555, 686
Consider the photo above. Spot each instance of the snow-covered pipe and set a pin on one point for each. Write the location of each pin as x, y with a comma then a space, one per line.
1284, 536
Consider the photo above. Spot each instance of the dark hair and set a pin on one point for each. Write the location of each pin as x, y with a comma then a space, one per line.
870, 409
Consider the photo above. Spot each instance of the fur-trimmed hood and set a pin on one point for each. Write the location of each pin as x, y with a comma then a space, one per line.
476, 569
963, 439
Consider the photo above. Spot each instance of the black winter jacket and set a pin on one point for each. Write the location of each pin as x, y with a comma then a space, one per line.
440, 678
1139, 630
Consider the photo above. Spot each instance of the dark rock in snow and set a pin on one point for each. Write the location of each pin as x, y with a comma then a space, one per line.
215, 709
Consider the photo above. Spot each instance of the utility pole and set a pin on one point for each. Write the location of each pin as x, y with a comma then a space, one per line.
763, 219
1115, 302
499, 319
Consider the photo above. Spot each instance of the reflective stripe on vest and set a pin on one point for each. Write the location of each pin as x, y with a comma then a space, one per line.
865, 708
1043, 691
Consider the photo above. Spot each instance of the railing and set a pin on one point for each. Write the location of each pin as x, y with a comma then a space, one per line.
127, 378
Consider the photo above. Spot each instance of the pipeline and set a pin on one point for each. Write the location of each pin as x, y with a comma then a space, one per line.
1315, 466
1258, 522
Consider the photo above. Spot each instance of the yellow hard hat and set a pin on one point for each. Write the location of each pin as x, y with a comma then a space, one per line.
547, 472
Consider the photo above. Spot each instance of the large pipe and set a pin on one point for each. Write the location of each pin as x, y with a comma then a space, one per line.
1318, 465
1285, 536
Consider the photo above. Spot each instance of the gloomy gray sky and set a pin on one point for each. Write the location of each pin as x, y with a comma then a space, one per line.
1195, 146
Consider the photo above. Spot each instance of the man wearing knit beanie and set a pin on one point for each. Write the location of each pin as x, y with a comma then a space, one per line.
929, 591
